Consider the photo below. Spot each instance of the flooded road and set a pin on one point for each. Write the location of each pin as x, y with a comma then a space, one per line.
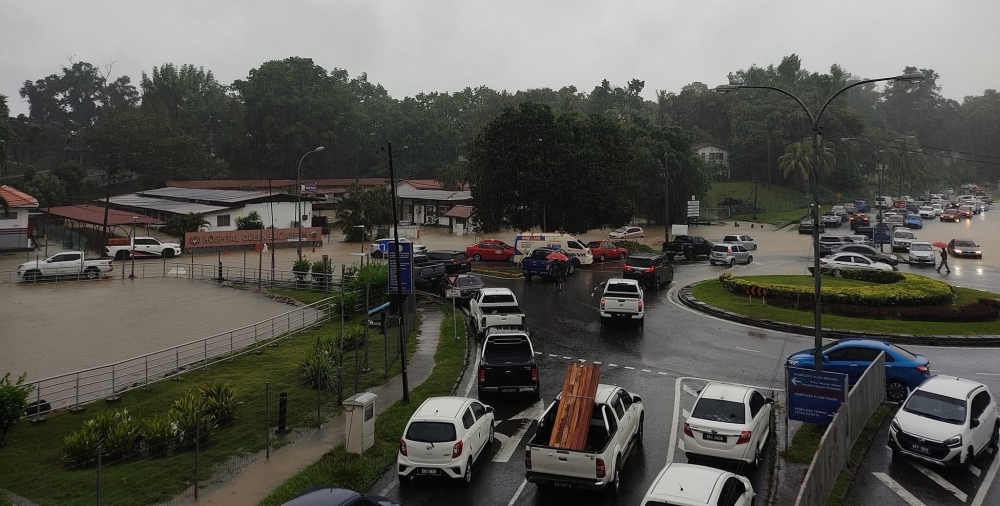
55, 328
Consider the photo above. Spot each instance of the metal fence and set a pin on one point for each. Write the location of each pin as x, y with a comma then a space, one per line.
840, 436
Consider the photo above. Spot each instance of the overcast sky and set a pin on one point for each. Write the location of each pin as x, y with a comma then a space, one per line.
431, 45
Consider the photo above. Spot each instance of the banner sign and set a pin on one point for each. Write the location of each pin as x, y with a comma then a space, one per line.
230, 238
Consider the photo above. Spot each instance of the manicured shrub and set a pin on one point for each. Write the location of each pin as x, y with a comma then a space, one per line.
220, 401
977, 312
80, 448
158, 436
118, 435
912, 290
190, 419
880, 277
317, 370
124, 439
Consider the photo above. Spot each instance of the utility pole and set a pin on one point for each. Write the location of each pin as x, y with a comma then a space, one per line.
666, 201
399, 282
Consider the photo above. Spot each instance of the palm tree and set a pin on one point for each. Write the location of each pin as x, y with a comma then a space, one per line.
177, 226
908, 163
797, 162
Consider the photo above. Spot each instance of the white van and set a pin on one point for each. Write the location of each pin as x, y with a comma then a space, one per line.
567, 244
883, 201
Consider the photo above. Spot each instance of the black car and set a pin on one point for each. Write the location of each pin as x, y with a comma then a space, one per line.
806, 227
467, 284
651, 269
325, 496
455, 262
508, 364
859, 220
870, 252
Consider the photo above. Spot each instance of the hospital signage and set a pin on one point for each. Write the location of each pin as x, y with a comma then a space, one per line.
230, 238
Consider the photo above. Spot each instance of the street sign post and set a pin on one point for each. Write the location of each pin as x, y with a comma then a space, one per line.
814, 396
405, 259
453, 294
693, 208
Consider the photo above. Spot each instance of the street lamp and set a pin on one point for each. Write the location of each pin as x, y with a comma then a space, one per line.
815, 119
298, 204
135, 221
878, 162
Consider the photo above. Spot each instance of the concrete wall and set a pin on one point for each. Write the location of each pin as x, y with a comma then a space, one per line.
14, 232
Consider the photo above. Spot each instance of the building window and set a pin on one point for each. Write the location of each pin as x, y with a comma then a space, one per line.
716, 157
12, 215
222, 220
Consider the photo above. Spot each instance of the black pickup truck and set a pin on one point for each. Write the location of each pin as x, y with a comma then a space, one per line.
427, 272
507, 364
688, 246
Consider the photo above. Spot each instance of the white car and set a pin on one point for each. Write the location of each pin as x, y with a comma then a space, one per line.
743, 240
444, 437
627, 233
729, 254
690, 485
921, 253
946, 421
938, 209
622, 299
838, 261
728, 422
927, 212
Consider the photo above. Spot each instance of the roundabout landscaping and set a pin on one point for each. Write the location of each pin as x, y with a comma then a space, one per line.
897, 306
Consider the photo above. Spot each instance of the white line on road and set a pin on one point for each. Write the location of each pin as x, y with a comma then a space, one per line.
567, 358
686, 413
661, 373
472, 378
538, 353
508, 447
984, 487
975, 470
554, 355
612, 365
987, 374
746, 349
899, 490
581, 360
630, 368
673, 424
646, 370
602, 363
936, 478
690, 391
388, 488
518, 493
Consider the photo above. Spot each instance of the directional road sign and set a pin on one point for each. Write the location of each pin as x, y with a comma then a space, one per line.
814, 396
405, 260
693, 208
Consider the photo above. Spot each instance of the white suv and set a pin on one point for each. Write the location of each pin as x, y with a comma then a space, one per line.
444, 437
946, 421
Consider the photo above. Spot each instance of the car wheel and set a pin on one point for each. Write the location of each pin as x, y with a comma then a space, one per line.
510, 258
970, 458
92, 273
572, 267
168, 253
621, 256
895, 391
835, 273
527, 277
614, 488
756, 458
120, 255
689, 254
995, 440
31, 276
491, 440
732, 263
467, 478
477, 257
749, 259
638, 435
601, 258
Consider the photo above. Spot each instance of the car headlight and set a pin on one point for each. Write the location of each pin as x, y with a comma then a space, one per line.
958, 251
793, 362
895, 426
954, 442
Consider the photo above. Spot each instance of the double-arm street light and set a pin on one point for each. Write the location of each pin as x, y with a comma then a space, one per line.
298, 205
815, 119
878, 147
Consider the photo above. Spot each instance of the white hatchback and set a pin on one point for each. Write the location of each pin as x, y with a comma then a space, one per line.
690, 485
728, 422
444, 437
838, 261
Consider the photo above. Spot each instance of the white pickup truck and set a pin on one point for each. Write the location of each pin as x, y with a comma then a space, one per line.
622, 299
615, 431
144, 246
65, 264
494, 307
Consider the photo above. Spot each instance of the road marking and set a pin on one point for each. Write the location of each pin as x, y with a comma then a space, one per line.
975, 470
630, 368
538, 353
936, 478
673, 424
582, 360
646, 370
686, 413
691, 391
388, 488
518, 493
612, 365
472, 377
552, 355
661, 373
567, 358
598, 363
984, 487
899, 490
987, 374
746, 349
508, 445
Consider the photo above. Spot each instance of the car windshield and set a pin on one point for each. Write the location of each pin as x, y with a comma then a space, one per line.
640, 262
920, 247
936, 407
620, 230
623, 288
431, 432
904, 235
507, 351
497, 299
718, 410
965, 244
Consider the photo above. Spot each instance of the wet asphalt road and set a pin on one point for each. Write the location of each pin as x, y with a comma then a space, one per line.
666, 362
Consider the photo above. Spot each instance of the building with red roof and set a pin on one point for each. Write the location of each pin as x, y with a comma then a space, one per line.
15, 231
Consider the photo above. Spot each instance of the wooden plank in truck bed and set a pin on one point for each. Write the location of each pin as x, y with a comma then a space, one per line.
572, 421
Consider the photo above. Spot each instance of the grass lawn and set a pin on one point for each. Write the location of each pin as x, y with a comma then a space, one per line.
838, 496
804, 443
31, 459
303, 296
776, 218
358, 472
712, 293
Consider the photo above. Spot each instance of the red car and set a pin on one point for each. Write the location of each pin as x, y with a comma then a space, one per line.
605, 249
490, 249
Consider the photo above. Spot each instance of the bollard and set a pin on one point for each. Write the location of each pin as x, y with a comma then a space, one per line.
267, 419
197, 450
220, 271
282, 412
100, 450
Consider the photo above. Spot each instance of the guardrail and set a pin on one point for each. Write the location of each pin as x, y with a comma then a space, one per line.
840, 436
107, 381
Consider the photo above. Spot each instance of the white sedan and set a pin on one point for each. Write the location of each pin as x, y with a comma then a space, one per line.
728, 422
852, 261
927, 212
627, 233
698, 486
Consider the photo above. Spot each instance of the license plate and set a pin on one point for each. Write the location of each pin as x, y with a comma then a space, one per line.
508, 390
431, 472
561, 485
921, 449
713, 437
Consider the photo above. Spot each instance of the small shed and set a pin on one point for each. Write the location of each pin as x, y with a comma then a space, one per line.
459, 217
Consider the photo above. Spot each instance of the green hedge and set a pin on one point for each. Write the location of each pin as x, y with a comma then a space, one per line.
910, 290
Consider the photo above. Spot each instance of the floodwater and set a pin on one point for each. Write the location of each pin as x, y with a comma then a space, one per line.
55, 328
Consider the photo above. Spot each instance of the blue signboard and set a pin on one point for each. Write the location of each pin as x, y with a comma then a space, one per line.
814, 396
405, 260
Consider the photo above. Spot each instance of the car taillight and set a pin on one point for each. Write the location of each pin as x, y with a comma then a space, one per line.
601, 471
456, 451
648, 269
640, 305
744, 438
527, 458
482, 374
626, 268
922, 369
687, 430
602, 303
534, 373
402, 447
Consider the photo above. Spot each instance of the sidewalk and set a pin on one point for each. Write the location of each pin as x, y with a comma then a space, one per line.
255, 482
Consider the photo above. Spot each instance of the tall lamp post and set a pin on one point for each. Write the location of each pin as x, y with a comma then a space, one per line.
878, 162
135, 220
815, 120
298, 204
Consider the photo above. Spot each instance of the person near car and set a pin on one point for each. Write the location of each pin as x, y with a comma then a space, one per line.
944, 261
559, 273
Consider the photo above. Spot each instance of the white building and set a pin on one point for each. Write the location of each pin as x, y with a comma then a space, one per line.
221, 208
424, 202
713, 153
15, 231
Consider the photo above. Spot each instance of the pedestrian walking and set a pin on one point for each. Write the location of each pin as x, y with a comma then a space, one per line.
944, 262
559, 273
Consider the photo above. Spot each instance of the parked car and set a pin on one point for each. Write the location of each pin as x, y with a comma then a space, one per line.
730, 255
743, 240
444, 437
806, 226
490, 249
901, 239
507, 363
326, 496
914, 221
688, 246
838, 261
122, 248
467, 284
868, 251
921, 253
454, 261
828, 243
603, 250
904, 371
950, 215
964, 248
494, 307
380, 247
64, 264
650, 269
946, 421
627, 233
831, 219
693, 485
728, 422
622, 299
927, 213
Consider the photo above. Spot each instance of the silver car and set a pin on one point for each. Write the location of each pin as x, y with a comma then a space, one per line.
921, 253
729, 254
744, 240
627, 233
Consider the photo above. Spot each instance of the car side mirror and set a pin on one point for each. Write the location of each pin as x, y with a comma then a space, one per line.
974, 423
489, 409
826, 358
769, 400
636, 398
48, 260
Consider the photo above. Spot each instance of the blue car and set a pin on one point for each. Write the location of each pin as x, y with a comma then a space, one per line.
904, 371
862, 206
914, 221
